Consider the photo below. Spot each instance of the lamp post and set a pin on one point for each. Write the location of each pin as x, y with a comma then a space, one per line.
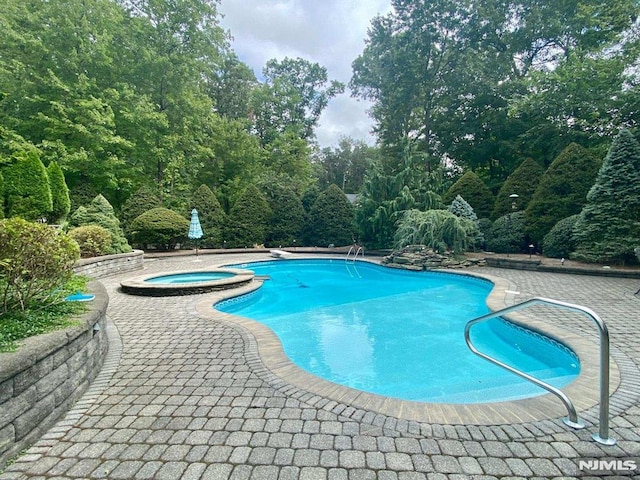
514, 198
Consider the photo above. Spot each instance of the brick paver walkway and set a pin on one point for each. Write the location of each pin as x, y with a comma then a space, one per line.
183, 397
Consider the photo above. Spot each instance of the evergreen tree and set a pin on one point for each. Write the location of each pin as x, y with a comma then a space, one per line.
331, 219
562, 191
248, 219
59, 193
287, 215
211, 214
143, 200
1, 196
100, 212
523, 182
608, 228
460, 208
26, 185
471, 187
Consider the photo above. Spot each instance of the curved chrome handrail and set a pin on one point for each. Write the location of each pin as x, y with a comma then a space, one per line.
572, 421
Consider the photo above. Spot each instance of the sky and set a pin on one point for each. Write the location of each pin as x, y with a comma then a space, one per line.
328, 32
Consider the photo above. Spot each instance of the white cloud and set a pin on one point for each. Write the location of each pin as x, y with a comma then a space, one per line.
329, 32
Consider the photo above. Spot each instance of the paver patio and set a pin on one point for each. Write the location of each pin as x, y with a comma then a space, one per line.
187, 397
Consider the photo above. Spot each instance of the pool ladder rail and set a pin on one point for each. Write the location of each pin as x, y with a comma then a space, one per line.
603, 434
355, 249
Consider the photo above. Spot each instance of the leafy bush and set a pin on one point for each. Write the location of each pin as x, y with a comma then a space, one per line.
26, 187
331, 219
100, 212
211, 214
247, 222
93, 240
61, 204
560, 242
507, 234
471, 187
161, 227
440, 230
36, 261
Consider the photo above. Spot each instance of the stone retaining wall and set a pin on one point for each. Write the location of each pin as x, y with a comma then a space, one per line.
97, 267
41, 381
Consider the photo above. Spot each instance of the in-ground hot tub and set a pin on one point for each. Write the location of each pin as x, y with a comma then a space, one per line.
186, 283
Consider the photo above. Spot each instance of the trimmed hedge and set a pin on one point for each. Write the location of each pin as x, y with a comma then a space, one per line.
61, 204
26, 187
161, 227
93, 240
471, 187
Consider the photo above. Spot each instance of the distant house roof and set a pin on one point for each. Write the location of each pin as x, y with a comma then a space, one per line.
352, 197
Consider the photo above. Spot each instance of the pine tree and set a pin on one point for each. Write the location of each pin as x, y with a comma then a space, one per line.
26, 185
471, 187
523, 182
562, 191
59, 193
287, 215
608, 228
211, 214
331, 219
100, 212
247, 221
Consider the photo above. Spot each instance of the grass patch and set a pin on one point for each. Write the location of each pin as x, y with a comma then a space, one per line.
17, 325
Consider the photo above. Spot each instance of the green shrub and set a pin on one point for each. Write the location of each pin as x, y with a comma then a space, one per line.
211, 214
560, 242
59, 193
523, 182
1, 196
161, 227
247, 222
287, 215
440, 230
93, 240
36, 261
460, 208
331, 219
26, 186
562, 190
100, 212
507, 234
143, 200
471, 187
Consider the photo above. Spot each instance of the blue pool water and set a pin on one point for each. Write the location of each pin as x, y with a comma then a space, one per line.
192, 277
397, 333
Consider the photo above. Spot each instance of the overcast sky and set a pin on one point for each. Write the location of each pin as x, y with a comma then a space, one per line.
329, 32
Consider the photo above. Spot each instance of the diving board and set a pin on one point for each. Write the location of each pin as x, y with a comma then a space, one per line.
279, 253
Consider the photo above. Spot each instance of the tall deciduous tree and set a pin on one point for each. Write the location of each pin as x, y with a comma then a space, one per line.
293, 96
608, 228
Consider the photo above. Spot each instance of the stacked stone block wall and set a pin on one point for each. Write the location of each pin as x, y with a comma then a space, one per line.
48, 373
97, 267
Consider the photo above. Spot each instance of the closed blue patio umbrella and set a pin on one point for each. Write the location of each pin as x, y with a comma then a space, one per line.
195, 230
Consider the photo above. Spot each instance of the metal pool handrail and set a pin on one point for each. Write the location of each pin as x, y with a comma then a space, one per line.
603, 435
355, 256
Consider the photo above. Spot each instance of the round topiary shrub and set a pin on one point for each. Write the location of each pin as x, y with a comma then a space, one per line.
36, 262
559, 242
93, 240
507, 234
160, 227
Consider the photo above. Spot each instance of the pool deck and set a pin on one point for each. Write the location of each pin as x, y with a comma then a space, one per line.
187, 393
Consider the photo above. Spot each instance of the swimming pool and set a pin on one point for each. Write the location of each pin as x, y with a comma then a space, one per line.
397, 333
